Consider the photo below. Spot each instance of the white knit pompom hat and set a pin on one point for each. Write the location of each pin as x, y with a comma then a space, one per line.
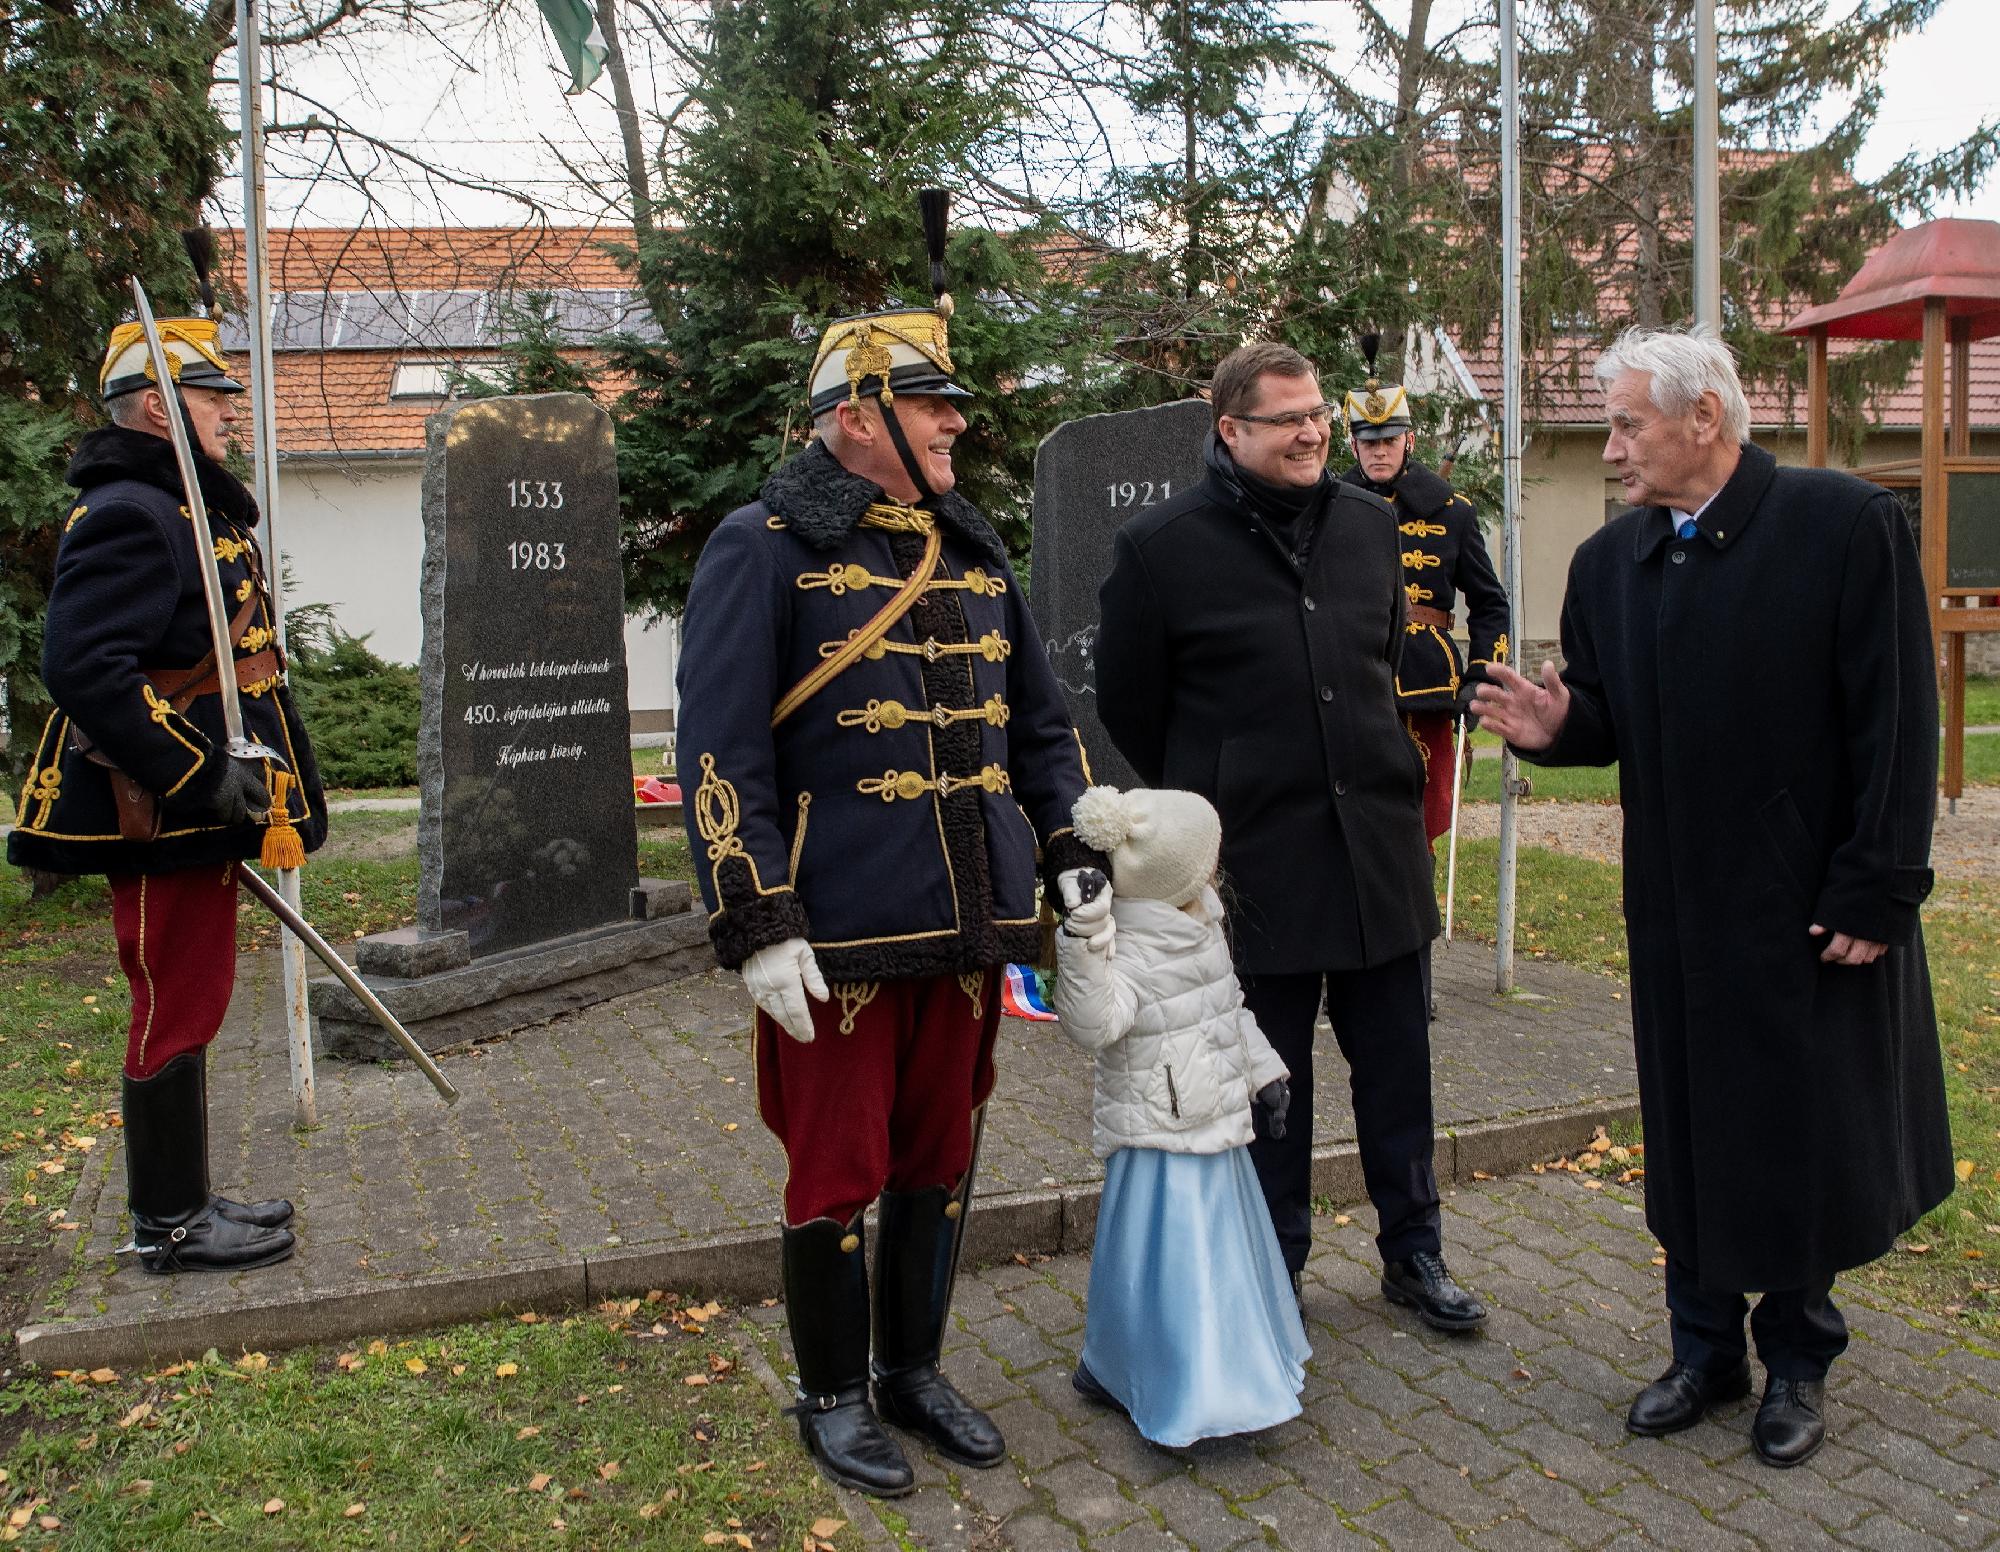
1162, 844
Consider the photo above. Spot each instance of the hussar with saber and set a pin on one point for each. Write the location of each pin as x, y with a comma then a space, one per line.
141, 775
874, 745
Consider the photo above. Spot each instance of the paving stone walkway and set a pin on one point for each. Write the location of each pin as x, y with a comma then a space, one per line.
619, 1149
1511, 1440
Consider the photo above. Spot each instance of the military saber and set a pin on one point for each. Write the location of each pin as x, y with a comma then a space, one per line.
303, 931
240, 746
1451, 850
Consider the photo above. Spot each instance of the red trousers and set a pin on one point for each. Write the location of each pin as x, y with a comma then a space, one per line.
1435, 731
177, 947
882, 1099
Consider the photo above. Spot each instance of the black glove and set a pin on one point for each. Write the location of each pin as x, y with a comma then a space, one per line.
241, 796
1274, 1099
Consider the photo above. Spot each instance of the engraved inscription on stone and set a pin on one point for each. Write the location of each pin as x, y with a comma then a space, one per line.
525, 752
1091, 476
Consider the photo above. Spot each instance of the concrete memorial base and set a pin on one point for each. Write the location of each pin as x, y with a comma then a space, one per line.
446, 998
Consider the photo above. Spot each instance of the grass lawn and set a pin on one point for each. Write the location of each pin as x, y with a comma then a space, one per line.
1599, 784
580, 1430
1568, 909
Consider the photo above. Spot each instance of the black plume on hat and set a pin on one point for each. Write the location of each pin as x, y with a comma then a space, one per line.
935, 204
1370, 345
200, 244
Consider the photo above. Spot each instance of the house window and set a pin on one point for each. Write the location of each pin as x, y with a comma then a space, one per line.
419, 380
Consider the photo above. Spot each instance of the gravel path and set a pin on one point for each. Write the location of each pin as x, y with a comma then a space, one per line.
1966, 844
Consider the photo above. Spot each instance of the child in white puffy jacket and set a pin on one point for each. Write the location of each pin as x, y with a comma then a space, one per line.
1192, 1327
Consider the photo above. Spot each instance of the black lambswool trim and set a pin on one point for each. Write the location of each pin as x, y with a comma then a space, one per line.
822, 502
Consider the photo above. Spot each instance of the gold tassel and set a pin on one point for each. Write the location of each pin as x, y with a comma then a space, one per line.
282, 846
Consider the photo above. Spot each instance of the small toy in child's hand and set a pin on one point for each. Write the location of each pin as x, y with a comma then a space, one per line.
1089, 885
1274, 1099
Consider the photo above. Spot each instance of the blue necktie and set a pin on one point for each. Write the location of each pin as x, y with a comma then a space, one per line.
1686, 530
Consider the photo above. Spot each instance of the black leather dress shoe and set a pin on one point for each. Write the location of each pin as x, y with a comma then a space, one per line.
1424, 1284
1088, 1386
929, 1405
1681, 1397
1790, 1422
849, 1445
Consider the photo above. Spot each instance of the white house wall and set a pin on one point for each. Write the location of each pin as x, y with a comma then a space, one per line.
352, 537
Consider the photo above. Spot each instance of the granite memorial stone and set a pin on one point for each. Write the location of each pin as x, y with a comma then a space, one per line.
1091, 476
524, 752
529, 902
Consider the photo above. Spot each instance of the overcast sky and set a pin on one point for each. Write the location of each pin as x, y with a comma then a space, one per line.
489, 112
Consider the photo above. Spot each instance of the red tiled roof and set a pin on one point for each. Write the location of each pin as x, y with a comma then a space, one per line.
1563, 393
337, 402
433, 258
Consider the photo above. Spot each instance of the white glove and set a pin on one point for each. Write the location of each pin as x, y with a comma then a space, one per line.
779, 978
1089, 919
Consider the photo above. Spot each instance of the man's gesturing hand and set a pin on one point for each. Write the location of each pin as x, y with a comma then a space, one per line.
779, 978
1526, 714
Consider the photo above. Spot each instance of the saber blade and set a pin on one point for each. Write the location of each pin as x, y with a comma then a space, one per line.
303, 931
240, 747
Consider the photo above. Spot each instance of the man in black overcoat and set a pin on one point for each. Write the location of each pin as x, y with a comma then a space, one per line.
1247, 650
1752, 646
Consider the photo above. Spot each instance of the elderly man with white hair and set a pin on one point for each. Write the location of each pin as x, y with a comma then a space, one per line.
1752, 646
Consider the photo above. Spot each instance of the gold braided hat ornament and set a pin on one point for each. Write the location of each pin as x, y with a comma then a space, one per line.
1376, 413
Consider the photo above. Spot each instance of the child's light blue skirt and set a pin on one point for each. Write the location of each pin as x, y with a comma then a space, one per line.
1192, 1323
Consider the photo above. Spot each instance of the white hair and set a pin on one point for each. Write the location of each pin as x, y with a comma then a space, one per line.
1684, 364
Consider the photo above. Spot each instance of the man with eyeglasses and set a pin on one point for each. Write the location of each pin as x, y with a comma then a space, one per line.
1247, 650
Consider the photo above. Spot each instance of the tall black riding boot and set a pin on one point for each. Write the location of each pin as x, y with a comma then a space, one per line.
915, 1235
274, 1214
826, 1302
175, 1224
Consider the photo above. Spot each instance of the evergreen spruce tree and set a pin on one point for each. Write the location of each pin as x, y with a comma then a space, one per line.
787, 198
111, 144
1608, 154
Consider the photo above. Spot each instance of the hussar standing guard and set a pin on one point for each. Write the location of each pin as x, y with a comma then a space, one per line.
873, 745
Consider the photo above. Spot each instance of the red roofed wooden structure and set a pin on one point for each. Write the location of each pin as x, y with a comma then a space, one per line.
1938, 283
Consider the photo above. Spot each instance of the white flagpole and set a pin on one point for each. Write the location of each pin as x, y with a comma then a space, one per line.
1707, 178
264, 437
1510, 457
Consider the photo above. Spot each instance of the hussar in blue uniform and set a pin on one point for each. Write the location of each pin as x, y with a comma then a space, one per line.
131, 776
1444, 557
874, 749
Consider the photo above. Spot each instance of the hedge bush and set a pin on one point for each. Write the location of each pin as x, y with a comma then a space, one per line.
361, 711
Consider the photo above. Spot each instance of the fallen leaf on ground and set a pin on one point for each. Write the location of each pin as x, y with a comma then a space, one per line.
354, 1511
1964, 1169
103, 1376
138, 1414
694, 1379
507, 1371
828, 1527
416, 1366
607, 1471
1342, 1220
274, 1506
349, 1362
538, 1481
528, 1432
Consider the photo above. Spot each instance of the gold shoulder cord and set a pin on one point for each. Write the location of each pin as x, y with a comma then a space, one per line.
858, 645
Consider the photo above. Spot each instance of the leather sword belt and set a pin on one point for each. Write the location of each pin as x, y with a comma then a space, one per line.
181, 688
1438, 618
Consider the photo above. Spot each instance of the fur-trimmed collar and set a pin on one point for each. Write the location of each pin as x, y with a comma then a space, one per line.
822, 502
120, 453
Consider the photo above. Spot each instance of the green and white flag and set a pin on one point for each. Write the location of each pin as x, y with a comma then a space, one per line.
574, 22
